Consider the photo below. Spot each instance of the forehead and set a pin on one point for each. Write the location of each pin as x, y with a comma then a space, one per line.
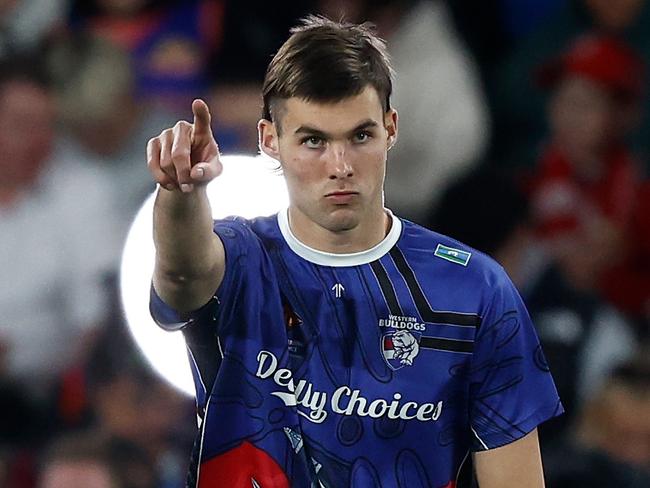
332, 116
577, 85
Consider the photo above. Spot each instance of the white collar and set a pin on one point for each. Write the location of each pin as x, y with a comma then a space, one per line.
344, 259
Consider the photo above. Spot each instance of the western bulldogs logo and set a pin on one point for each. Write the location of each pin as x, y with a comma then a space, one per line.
400, 348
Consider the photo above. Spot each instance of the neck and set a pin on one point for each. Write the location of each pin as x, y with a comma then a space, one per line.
370, 231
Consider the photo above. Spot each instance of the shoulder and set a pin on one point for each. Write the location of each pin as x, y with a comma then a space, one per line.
450, 257
258, 225
258, 230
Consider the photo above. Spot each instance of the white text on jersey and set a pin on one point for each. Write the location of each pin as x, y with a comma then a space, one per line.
344, 401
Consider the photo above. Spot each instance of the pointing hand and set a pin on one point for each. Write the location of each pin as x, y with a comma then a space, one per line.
187, 154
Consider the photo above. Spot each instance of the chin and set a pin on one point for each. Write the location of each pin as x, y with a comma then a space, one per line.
341, 221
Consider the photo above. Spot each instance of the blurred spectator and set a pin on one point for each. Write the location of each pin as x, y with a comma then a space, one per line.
582, 338
91, 460
170, 42
78, 460
55, 250
437, 93
25, 24
617, 419
587, 189
107, 125
519, 107
135, 407
612, 446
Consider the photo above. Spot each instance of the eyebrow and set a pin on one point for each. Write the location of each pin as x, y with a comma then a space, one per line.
307, 129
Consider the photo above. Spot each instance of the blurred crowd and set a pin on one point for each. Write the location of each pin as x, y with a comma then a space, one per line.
524, 132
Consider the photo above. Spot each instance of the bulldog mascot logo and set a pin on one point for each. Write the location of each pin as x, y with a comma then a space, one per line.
400, 348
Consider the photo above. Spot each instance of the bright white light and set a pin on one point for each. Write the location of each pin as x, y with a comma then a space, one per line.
248, 187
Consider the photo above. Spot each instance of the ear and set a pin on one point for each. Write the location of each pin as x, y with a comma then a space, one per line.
268, 139
390, 123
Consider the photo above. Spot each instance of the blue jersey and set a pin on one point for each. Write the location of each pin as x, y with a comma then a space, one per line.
384, 368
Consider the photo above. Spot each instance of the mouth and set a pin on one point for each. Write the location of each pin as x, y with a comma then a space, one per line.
341, 196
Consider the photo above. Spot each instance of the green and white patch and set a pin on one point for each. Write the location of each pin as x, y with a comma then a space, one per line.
451, 254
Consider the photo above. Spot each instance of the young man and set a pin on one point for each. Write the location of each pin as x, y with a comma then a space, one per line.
334, 344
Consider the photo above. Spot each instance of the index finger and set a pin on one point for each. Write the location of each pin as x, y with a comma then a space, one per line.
201, 118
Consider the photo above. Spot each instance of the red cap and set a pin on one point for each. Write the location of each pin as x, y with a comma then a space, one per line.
603, 59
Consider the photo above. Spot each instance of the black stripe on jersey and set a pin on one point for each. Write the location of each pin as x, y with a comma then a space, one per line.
446, 344
386, 288
427, 314
465, 477
295, 298
203, 343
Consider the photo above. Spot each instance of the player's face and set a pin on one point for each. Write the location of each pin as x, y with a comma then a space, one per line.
334, 160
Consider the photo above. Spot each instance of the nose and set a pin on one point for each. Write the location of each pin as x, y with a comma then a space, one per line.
339, 165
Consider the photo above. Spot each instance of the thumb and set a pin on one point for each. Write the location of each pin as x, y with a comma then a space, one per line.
206, 171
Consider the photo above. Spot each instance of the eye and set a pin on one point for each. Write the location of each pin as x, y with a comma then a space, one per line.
362, 136
313, 142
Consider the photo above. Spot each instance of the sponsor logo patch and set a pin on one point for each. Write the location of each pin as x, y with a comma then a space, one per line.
456, 256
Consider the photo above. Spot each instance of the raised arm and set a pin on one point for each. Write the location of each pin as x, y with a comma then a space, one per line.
190, 260
515, 465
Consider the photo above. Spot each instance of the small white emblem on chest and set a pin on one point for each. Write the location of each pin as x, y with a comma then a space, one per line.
338, 290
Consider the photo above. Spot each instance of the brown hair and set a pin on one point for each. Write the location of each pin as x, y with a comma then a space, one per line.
327, 61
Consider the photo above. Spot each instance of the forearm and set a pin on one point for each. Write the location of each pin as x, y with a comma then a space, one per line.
189, 256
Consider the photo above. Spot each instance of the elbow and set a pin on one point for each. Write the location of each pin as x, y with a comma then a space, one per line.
186, 291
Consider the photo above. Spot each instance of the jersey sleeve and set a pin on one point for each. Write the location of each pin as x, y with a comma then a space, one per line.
239, 290
240, 244
511, 388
